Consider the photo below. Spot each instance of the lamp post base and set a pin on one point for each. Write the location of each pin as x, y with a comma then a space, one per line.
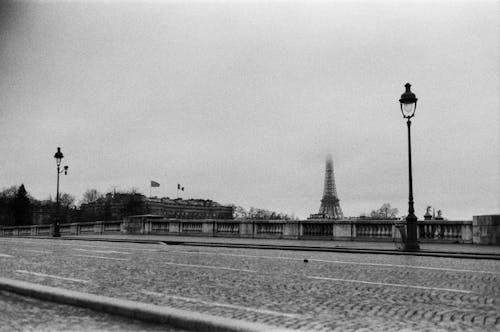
411, 243
56, 232
411, 247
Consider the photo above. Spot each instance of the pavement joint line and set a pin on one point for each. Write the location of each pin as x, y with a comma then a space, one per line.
210, 267
333, 261
80, 245
390, 284
94, 246
234, 255
110, 247
141, 249
403, 266
102, 257
51, 276
218, 304
6, 256
38, 251
141, 311
104, 251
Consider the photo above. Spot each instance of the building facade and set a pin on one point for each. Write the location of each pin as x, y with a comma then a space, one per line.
117, 206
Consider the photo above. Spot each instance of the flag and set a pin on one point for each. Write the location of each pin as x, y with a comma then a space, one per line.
154, 184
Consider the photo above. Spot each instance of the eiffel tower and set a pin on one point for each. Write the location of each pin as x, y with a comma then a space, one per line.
330, 206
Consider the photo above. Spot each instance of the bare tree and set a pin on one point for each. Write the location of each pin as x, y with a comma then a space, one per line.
239, 212
91, 196
263, 214
66, 200
384, 212
8, 193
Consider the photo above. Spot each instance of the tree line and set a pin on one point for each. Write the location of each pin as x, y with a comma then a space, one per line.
18, 207
254, 213
386, 211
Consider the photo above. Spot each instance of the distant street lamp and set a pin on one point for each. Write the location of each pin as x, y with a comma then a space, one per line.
59, 156
408, 104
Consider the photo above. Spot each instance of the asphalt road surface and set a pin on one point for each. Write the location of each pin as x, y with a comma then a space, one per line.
328, 292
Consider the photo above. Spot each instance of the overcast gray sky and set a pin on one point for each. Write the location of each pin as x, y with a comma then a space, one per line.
240, 102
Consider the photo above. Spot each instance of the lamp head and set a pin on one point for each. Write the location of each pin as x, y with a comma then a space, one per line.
58, 155
408, 102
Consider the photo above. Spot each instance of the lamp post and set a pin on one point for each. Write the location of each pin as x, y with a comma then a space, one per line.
408, 103
59, 156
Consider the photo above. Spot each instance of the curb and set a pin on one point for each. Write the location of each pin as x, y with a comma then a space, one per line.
141, 311
422, 253
340, 249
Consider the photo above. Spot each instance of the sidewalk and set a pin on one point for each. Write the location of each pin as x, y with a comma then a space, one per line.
427, 249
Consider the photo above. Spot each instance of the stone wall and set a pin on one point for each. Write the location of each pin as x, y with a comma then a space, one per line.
486, 229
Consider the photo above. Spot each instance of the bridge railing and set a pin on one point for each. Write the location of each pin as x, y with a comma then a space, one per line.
319, 230
445, 231
345, 230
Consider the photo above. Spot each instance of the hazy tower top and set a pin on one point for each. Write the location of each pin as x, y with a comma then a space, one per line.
330, 206
329, 188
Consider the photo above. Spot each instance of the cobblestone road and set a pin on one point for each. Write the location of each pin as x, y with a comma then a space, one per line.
329, 292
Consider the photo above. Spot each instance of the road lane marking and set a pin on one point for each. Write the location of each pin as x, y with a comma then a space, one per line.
104, 251
84, 245
51, 276
6, 256
337, 262
402, 265
102, 257
38, 251
209, 267
218, 304
389, 284
105, 247
234, 255
131, 248
73, 244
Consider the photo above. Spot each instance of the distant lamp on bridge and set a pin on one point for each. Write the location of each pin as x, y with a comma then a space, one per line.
408, 103
58, 156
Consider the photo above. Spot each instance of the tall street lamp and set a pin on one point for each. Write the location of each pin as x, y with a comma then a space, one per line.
408, 103
59, 156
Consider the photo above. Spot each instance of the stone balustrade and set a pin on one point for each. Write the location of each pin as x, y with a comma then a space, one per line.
192, 227
228, 228
320, 230
375, 230
345, 230
444, 231
111, 226
159, 227
269, 229
43, 230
